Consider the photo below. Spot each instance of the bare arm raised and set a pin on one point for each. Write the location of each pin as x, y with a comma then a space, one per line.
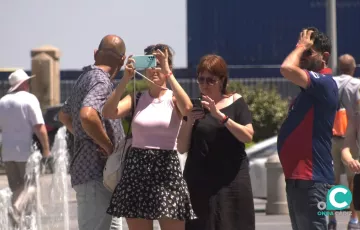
115, 107
181, 99
290, 67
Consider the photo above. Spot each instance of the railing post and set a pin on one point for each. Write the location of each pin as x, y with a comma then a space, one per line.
276, 187
46, 85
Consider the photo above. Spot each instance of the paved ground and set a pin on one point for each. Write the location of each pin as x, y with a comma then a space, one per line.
52, 204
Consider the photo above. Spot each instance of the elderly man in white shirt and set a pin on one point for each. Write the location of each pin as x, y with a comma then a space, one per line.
20, 117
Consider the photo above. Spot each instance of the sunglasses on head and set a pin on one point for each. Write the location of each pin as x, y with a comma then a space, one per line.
152, 48
208, 80
112, 52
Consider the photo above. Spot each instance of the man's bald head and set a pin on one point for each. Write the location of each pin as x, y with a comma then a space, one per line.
111, 54
347, 64
114, 44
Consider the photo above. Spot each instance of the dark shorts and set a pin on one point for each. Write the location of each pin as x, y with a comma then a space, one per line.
356, 192
15, 172
303, 198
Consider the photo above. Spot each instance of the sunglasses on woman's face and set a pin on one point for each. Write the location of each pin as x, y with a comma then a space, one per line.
156, 67
208, 80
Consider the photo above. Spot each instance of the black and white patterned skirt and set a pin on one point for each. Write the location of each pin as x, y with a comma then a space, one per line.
152, 187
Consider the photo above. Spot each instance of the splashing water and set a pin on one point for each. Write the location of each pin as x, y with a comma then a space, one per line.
5, 202
59, 194
46, 204
32, 217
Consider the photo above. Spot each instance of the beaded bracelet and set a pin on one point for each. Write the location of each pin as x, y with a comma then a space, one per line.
168, 75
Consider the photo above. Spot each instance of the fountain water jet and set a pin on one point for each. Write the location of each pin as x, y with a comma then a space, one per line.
59, 186
46, 204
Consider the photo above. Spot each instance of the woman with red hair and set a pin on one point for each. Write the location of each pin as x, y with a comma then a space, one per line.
216, 170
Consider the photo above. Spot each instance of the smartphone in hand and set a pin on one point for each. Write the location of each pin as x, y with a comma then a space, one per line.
144, 61
197, 106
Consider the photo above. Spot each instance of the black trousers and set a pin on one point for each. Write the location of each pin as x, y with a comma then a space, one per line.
229, 208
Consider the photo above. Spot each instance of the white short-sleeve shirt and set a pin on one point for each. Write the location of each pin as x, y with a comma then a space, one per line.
19, 112
349, 93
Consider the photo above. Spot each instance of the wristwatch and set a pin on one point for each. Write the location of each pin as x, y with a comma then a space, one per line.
225, 119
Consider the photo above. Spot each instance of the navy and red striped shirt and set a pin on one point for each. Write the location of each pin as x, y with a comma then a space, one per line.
304, 140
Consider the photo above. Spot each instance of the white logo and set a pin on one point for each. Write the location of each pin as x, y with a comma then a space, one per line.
338, 198
321, 205
346, 198
316, 75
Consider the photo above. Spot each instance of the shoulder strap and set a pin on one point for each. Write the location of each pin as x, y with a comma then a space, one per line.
133, 107
138, 95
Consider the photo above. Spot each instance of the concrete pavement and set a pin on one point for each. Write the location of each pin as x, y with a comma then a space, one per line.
53, 220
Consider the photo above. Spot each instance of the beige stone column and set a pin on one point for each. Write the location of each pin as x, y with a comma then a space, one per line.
276, 187
46, 85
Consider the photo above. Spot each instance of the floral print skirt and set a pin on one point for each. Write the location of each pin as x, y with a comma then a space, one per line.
152, 187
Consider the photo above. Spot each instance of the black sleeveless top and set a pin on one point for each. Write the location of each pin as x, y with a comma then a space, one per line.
215, 155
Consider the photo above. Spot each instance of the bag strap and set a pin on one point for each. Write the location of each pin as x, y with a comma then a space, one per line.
133, 107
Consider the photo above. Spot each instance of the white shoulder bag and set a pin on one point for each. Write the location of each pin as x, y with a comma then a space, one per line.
115, 163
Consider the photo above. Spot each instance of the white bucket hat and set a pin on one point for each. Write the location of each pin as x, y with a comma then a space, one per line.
16, 78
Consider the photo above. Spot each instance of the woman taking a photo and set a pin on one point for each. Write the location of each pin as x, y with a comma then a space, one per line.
152, 186
216, 169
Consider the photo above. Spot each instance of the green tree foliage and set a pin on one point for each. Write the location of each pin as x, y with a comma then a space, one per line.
267, 107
